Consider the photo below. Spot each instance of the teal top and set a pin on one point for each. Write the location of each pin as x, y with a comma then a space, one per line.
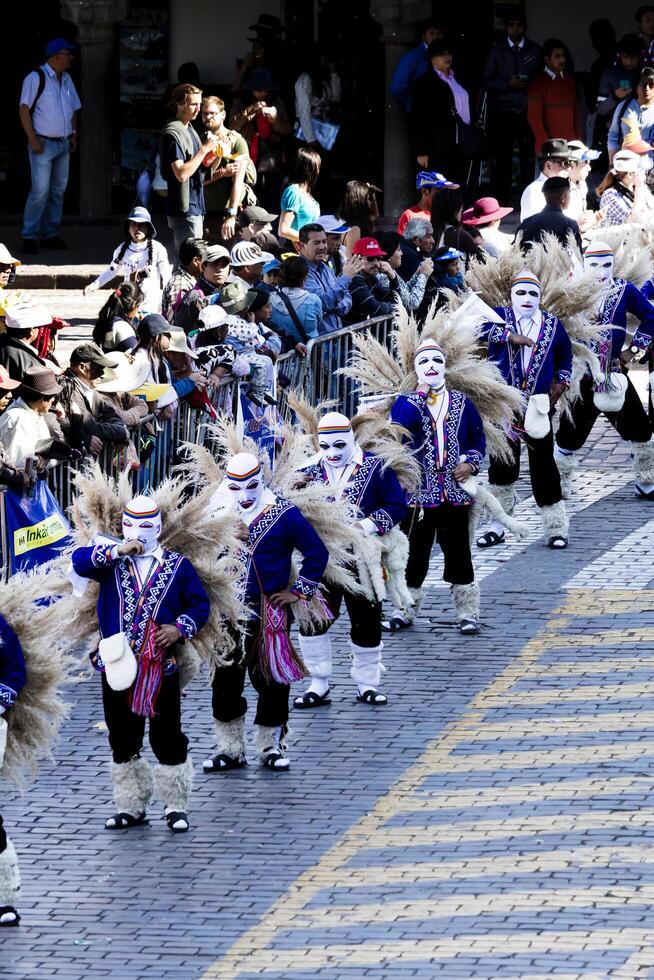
305, 208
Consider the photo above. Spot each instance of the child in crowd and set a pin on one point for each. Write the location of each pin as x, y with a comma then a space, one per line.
115, 328
296, 312
212, 352
448, 271
271, 275
258, 345
139, 259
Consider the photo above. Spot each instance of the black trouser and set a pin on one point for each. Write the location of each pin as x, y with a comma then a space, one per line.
365, 617
227, 699
3, 837
449, 525
631, 422
127, 730
506, 130
543, 471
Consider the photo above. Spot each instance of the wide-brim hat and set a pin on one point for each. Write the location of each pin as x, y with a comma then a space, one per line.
580, 153
179, 344
140, 216
6, 381
484, 210
126, 376
151, 391
556, 149
6, 258
40, 382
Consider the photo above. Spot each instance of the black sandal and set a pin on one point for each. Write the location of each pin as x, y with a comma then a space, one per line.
469, 627
312, 700
644, 496
6, 910
558, 542
272, 759
396, 624
223, 763
124, 820
490, 539
177, 816
375, 698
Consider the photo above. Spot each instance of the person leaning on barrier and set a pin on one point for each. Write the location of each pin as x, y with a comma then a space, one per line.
371, 295
10, 475
90, 419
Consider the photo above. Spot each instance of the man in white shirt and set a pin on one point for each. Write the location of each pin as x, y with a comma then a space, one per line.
48, 113
554, 156
23, 425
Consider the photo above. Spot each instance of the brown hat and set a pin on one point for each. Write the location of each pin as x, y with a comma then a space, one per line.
40, 382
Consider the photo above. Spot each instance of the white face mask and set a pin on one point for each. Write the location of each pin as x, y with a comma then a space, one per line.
525, 299
147, 530
601, 266
336, 448
429, 365
246, 495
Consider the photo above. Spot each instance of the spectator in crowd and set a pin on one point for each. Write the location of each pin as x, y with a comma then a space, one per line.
429, 183
644, 17
412, 65
446, 211
114, 328
8, 266
634, 115
411, 293
256, 344
10, 475
268, 51
510, 66
578, 171
181, 154
255, 225
359, 210
485, 216
554, 159
185, 275
261, 118
153, 341
229, 176
448, 270
181, 360
22, 324
551, 220
271, 275
335, 230
618, 81
298, 205
139, 258
438, 103
317, 94
552, 102
332, 291
623, 194
116, 385
90, 419
207, 289
260, 309
296, 313
247, 260
217, 358
417, 245
48, 113
23, 425
370, 295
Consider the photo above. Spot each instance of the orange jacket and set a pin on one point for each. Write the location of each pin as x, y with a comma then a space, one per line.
553, 108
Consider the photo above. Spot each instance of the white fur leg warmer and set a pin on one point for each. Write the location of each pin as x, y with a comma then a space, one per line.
367, 665
9, 876
133, 785
173, 785
317, 655
643, 457
566, 464
271, 739
230, 737
506, 496
466, 601
555, 520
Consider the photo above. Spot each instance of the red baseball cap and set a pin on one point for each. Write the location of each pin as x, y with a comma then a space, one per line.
6, 384
368, 247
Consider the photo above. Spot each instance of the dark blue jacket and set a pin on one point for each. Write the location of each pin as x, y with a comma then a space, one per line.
12, 665
373, 488
411, 66
624, 298
464, 436
551, 358
502, 63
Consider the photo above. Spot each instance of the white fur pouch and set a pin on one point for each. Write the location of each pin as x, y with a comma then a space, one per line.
537, 421
119, 661
469, 485
612, 400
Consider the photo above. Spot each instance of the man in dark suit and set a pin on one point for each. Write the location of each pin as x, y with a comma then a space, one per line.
556, 191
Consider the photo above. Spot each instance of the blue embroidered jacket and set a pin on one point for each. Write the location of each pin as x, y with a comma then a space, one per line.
12, 665
550, 360
623, 297
174, 594
463, 436
278, 531
373, 488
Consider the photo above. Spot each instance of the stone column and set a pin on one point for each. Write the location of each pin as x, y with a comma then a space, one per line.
96, 20
398, 19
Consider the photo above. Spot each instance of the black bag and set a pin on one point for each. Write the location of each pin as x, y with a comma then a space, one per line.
471, 139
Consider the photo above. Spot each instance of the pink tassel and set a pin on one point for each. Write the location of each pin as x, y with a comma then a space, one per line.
280, 660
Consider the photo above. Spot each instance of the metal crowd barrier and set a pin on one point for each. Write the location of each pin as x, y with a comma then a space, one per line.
316, 375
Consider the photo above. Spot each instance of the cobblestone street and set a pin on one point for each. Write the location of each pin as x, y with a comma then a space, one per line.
495, 820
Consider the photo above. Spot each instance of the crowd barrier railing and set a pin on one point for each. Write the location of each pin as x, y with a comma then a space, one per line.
315, 374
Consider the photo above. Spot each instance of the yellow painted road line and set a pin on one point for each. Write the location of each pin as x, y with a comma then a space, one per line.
527, 759
254, 951
530, 728
598, 665
585, 692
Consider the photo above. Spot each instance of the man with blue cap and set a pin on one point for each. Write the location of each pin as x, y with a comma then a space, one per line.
429, 183
48, 113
